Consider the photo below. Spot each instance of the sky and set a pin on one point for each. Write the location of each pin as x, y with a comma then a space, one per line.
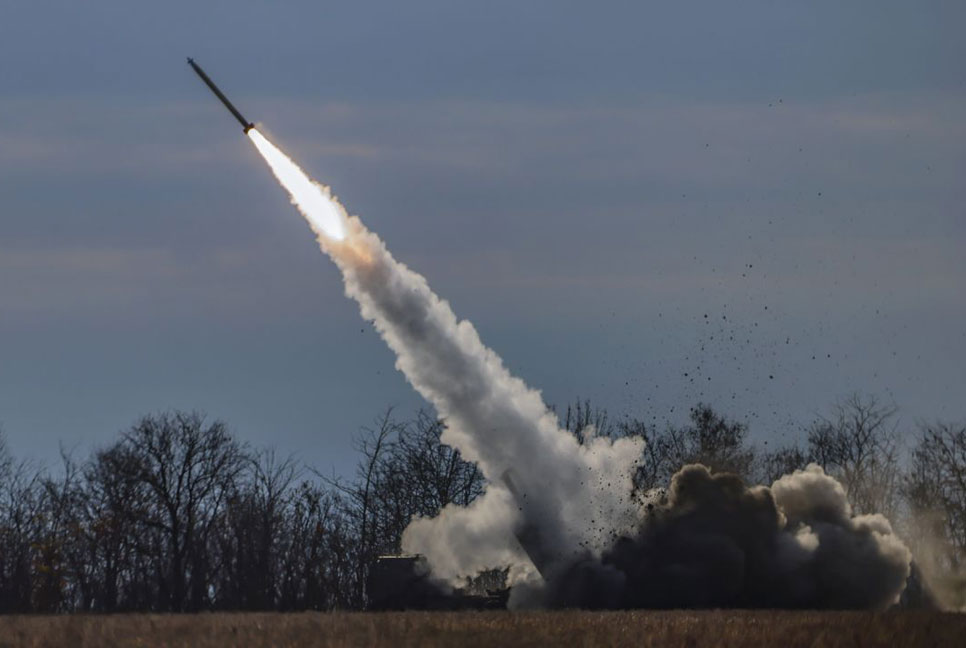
757, 205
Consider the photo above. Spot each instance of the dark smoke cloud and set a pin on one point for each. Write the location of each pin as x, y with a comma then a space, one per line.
712, 541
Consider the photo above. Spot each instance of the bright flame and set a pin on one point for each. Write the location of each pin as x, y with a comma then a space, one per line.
312, 199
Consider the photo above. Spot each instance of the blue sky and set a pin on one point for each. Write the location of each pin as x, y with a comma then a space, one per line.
645, 204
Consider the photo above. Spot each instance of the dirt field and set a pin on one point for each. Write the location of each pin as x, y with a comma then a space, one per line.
395, 630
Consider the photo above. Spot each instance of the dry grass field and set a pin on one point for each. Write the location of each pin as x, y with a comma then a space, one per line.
569, 628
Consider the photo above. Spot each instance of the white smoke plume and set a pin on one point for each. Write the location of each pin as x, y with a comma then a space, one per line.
713, 541
576, 496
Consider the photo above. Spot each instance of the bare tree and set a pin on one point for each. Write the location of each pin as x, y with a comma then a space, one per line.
187, 469
405, 471
436, 474
20, 526
783, 461
710, 439
373, 444
859, 446
581, 417
937, 478
112, 504
175, 515
935, 487
62, 565
250, 540
319, 568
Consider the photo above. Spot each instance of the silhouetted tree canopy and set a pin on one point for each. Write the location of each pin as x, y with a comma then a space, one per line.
177, 515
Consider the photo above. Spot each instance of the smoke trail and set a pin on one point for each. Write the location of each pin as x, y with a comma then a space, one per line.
710, 541
576, 497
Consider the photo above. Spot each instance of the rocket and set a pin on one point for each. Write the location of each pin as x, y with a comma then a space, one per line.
247, 125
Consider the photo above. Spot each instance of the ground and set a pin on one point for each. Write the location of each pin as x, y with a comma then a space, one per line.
566, 628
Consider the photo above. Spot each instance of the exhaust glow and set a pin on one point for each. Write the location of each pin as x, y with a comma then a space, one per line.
312, 199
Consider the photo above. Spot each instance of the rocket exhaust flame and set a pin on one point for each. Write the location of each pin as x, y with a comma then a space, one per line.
316, 203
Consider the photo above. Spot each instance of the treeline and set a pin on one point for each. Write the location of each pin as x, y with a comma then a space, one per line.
178, 515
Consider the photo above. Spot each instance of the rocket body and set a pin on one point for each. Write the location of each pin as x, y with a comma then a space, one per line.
246, 125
